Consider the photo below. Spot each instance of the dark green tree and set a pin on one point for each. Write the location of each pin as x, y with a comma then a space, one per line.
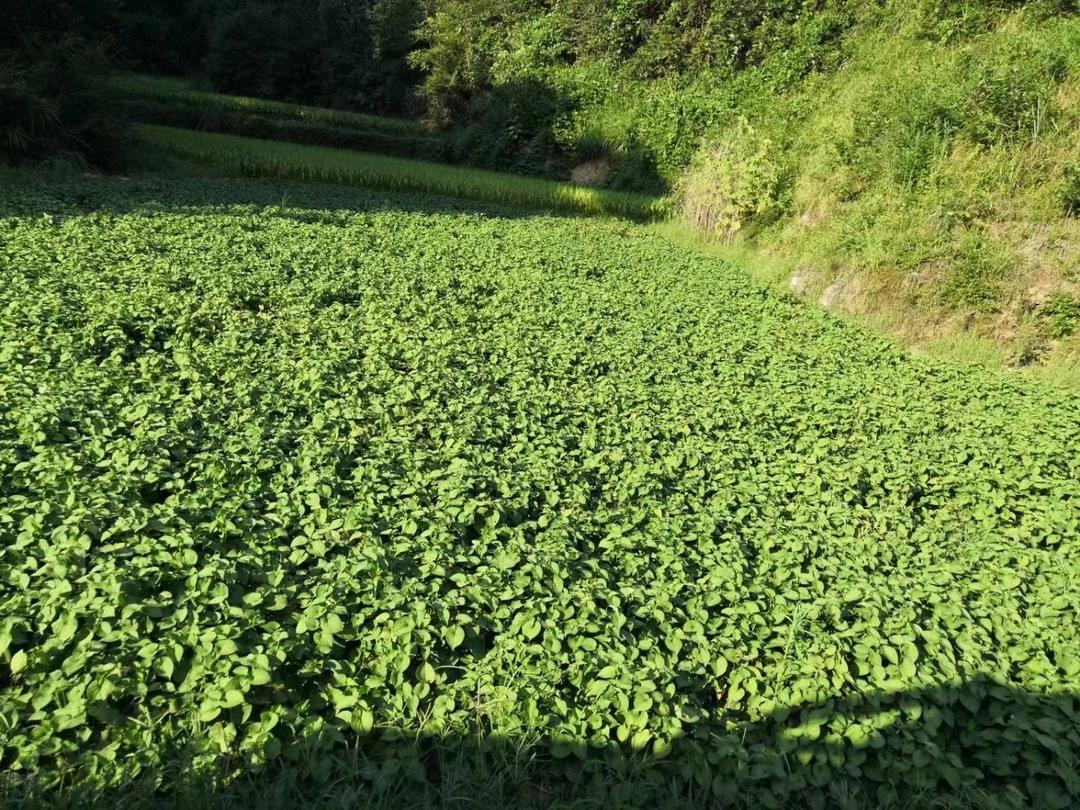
52, 54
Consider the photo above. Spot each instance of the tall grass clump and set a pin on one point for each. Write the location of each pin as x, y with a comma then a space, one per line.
732, 181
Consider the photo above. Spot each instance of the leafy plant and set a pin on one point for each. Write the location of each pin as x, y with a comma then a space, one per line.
363, 492
977, 271
1072, 190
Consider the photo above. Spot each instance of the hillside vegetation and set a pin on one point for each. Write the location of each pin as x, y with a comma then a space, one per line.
178, 103
347, 54
318, 497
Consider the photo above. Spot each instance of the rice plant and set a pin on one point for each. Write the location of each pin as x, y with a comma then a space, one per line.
260, 158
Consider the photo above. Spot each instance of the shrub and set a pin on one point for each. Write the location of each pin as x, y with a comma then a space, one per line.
460, 39
513, 127
978, 267
731, 182
51, 57
949, 20
50, 108
1064, 313
901, 140
242, 58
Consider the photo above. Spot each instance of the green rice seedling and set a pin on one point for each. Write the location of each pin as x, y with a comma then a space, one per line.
180, 93
258, 158
232, 122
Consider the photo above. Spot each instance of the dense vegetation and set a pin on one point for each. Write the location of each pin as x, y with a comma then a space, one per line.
911, 161
175, 102
650, 80
345, 53
55, 53
52, 53
409, 503
318, 492
914, 162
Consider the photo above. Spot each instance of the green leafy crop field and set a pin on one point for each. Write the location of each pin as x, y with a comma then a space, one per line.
370, 498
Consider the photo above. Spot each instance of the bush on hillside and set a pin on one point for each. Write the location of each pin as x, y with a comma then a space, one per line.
1064, 313
978, 267
951, 20
731, 182
513, 127
905, 123
457, 60
1012, 91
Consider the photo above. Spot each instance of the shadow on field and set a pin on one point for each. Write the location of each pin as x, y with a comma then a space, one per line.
34, 194
976, 745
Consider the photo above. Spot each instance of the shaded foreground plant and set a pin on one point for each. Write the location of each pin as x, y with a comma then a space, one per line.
877, 750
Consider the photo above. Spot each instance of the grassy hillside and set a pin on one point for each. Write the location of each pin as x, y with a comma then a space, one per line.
931, 187
317, 497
